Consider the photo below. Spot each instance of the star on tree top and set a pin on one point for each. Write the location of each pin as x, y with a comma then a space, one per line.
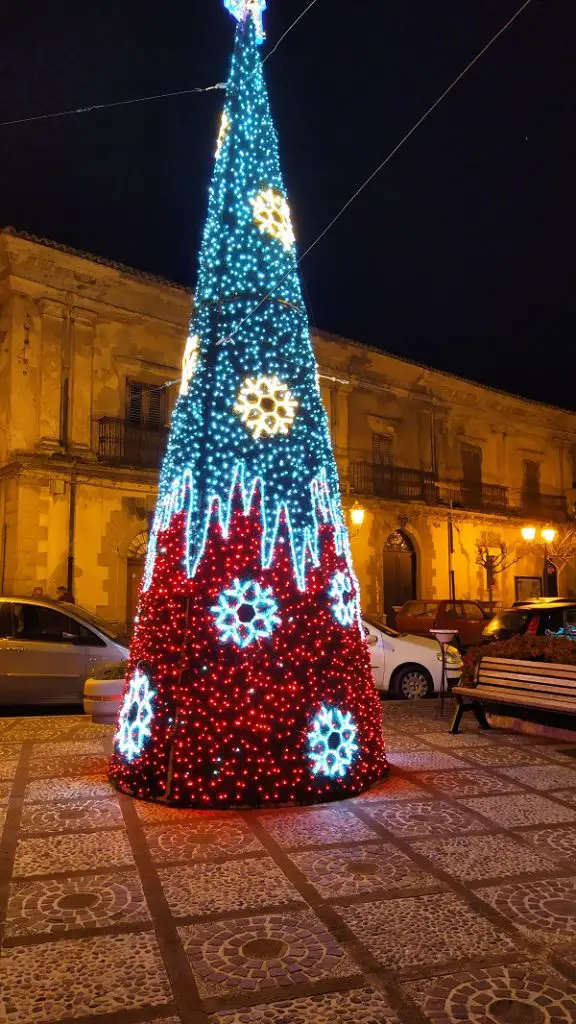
241, 9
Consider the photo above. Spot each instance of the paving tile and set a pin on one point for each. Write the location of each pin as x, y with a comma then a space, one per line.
71, 815
544, 909
520, 809
3, 813
542, 776
202, 841
468, 782
418, 931
65, 748
423, 817
87, 901
300, 828
558, 842
90, 787
69, 766
394, 787
460, 741
43, 728
404, 743
156, 813
425, 760
263, 952
88, 851
5, 790
469, 858
8, 766
348, 870
197, 889
61, 980
529, 993
567, 795
359, 1006
495, 754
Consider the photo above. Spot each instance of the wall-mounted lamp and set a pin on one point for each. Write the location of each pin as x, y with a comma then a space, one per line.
357, 513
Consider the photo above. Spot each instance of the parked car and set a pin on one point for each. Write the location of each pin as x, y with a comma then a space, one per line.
410, 667
48, 649
539, 618
466, 617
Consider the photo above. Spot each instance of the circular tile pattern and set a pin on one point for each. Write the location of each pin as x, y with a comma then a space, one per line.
512, 1011
269, 951
546, 907
89, 901
522, 994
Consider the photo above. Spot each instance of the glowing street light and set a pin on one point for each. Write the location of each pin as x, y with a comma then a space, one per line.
547, 536
357, 513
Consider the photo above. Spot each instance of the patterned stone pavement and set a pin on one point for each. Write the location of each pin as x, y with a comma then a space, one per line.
445, 894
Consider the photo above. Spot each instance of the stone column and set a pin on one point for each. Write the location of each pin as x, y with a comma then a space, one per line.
52, 334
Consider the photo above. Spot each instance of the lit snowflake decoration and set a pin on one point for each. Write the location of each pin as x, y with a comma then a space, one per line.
266, 406
136, 715
332, 742
343, 601
272, 216
245, 613
223, 132
189, 362
240, 9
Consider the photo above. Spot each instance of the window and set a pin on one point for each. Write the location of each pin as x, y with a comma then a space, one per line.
471, 465
453, 610
145, 405
531, 477
472, 611
382, 449
36, 622
414, 608
5, 620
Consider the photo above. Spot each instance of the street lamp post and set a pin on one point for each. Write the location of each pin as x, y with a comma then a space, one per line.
547, 536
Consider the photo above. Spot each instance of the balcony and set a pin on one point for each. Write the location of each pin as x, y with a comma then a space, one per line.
367, 478
392, 482
130, 444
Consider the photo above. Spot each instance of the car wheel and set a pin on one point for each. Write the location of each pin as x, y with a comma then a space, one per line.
413, 683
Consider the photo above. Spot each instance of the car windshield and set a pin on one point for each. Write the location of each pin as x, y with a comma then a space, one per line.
514, 620
382, 627
92, 620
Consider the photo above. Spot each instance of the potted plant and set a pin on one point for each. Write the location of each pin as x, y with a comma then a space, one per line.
103, 693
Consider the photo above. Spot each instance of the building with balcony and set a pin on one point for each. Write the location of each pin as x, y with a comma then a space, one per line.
88, 349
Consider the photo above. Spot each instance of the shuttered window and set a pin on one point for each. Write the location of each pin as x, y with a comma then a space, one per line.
145, 404
382, 449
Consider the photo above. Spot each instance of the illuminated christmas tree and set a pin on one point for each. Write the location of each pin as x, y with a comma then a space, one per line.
250, 680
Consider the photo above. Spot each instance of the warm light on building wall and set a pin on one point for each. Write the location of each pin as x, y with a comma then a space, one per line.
357, 513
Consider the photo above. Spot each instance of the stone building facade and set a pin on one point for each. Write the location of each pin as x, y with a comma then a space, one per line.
87, 351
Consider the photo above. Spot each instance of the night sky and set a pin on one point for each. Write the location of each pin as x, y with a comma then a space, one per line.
459, 255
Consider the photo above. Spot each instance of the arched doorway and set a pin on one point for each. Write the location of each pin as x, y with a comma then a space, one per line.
399, 573
135, 568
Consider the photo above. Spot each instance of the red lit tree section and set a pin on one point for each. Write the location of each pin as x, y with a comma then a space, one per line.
234, 725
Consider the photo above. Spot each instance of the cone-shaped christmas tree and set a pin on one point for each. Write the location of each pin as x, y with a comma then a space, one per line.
250, 680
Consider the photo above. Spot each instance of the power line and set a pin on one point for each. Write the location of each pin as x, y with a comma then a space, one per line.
289, 29
387, 159
116, 103
145, 99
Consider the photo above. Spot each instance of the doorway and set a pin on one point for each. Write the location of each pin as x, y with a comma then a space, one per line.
399, 573
135, 570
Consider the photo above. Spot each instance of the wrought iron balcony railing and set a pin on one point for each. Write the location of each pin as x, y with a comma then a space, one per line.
131, 444
399, 482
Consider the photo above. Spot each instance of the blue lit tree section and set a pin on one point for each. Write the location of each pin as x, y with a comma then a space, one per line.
249, 617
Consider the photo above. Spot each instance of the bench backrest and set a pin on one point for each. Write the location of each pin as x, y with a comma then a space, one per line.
536, 677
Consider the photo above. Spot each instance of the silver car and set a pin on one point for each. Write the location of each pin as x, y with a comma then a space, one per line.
48, 649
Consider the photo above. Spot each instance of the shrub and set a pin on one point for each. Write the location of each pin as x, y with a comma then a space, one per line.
117, 670
554, 649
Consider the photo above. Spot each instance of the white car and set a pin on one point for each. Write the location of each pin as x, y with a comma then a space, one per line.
408, 666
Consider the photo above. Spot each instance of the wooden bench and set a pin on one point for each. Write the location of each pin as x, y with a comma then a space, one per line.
526, 684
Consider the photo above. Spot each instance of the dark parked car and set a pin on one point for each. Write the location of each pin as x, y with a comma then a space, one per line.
466, 617
539, 618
